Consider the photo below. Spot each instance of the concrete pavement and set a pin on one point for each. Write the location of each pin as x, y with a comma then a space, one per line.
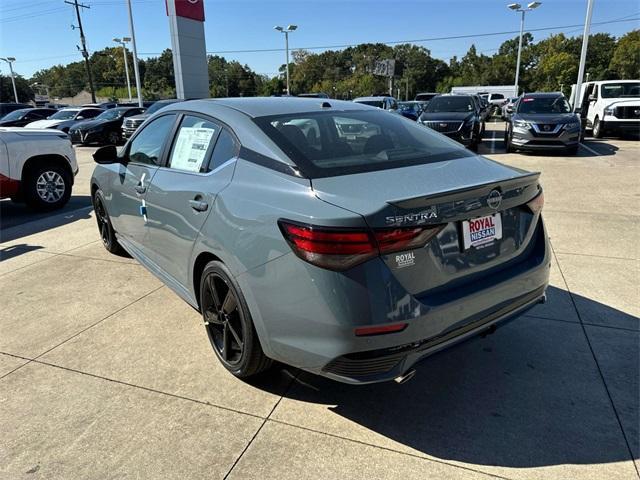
105, 373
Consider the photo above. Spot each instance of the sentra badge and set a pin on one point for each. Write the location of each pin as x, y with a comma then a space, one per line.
417, 217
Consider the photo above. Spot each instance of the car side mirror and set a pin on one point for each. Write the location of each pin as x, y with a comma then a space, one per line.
510, 109
106, 155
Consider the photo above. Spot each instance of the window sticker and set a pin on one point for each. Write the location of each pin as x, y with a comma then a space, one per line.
191, 147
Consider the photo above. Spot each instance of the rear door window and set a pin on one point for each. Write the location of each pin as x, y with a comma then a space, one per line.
193, 144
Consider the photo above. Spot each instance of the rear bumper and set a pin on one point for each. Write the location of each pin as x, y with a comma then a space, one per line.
305, 316
8, 186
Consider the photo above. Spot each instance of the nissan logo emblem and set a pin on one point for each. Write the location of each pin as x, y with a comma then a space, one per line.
546, 128
494, 199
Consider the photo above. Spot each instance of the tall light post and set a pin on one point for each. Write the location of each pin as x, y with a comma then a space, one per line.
10, 61
516, 7
577, 100
286, 31
123, 42
136, 69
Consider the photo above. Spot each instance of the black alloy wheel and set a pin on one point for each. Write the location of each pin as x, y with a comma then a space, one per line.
224, 320
228, 322
107, 234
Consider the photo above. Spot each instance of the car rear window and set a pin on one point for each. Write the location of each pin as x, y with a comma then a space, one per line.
325, 144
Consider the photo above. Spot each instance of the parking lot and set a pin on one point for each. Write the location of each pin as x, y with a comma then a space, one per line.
105, 373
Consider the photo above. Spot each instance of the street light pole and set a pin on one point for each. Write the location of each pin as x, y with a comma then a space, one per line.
577, 100
123, 42
136, 69
286, 31
10, 61
518, 8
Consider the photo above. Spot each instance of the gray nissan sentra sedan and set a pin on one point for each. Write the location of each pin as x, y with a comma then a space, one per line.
335, 237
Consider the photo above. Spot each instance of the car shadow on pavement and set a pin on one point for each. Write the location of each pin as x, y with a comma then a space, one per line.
17, 220
530, 395
15, 250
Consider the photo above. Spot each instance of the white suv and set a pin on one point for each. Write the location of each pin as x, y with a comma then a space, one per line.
36, 166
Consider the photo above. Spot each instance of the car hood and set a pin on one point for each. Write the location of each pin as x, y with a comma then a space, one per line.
623, 102
28, 132
44, 123
89, 124
546, 117
142, 116
364, 192
444, 116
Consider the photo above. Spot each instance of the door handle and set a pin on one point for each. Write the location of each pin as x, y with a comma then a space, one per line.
198, 205
140, 189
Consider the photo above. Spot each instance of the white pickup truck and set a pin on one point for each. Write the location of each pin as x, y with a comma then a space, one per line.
37, 166
611, 107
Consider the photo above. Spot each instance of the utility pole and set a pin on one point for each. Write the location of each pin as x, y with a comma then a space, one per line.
85, 54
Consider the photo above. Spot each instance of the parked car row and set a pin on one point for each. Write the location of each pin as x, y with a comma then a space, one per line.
92, 123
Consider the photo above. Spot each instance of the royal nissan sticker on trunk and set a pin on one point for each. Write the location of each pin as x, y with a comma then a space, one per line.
405, 259
481, 231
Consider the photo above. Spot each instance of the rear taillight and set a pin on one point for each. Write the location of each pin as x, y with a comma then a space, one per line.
342, 248
537, 203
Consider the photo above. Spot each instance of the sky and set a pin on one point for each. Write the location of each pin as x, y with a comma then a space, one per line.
39, 34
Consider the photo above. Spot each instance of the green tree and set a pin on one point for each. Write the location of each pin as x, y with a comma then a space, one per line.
625, 62
25, 93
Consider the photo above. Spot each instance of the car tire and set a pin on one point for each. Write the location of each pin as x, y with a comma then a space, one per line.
47, 188
105, 227
229, 325
113, 138
597, 128
507, 142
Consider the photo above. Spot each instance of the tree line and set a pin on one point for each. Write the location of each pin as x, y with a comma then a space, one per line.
550, 64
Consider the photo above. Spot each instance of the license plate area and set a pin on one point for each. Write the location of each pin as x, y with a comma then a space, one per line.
481, 231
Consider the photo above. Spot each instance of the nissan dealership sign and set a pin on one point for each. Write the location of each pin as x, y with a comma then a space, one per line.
186, 24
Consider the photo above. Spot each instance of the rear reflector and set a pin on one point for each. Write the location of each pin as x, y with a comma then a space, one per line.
380, 330
342, 248
537, 203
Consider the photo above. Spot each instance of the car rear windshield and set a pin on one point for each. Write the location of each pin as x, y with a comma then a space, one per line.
618, 90
64, 115
327, 144
543, 105
449, 104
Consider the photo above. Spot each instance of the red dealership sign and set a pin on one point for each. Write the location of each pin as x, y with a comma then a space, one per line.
193, 9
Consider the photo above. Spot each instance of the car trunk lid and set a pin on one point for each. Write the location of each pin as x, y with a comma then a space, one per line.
448, 194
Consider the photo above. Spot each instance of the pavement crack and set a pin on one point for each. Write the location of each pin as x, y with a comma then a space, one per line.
286, 391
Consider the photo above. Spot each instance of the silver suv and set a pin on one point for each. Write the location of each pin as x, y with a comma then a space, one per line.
543, 121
